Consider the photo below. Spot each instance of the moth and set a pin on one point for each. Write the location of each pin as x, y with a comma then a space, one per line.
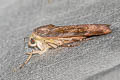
50, 36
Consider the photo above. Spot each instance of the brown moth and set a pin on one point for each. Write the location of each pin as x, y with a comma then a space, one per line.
51, 36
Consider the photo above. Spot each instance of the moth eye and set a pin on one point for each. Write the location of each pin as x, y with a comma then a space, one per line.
32, 41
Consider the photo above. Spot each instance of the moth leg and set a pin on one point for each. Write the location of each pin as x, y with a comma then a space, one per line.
37, 51
27, 60
30, 55
52, 45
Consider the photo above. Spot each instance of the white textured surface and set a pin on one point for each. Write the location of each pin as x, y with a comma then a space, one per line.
91, 57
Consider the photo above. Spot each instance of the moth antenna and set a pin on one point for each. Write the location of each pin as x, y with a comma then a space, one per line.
25, 41
25, 38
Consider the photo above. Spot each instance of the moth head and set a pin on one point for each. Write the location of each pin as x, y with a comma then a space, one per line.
32, 42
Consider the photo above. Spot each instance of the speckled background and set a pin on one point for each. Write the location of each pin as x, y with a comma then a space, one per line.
96, 59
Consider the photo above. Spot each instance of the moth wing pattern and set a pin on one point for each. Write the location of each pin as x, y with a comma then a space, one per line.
72, 30
71, 33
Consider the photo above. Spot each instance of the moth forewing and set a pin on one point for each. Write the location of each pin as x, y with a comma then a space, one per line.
51, 36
